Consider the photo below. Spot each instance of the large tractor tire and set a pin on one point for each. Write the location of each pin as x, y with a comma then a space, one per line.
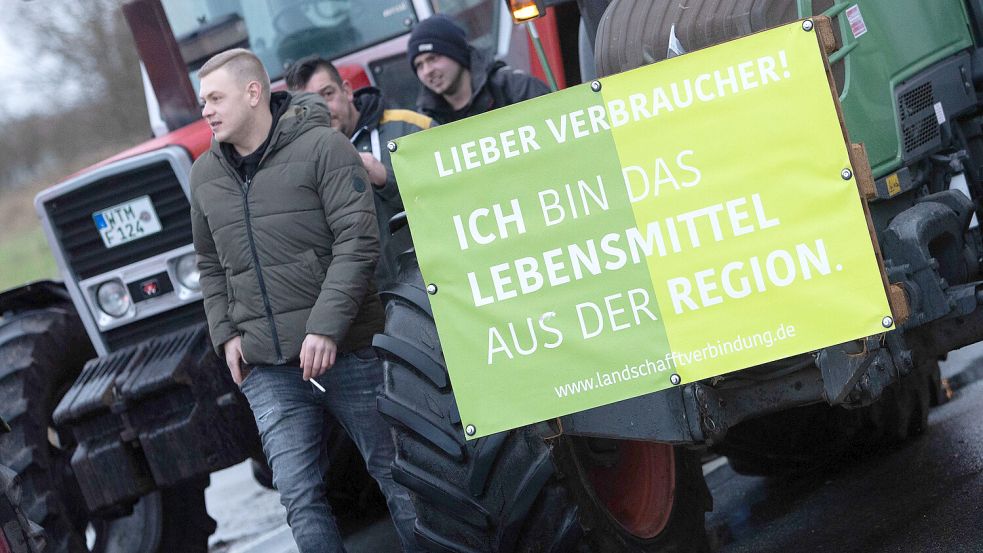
633, 33
816, 436
519, 491
41, 354
19, 533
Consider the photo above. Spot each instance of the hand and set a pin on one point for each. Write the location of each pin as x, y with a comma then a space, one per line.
233, 357
317, 355
375, 169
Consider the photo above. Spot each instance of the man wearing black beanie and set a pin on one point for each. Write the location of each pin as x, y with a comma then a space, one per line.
459, 81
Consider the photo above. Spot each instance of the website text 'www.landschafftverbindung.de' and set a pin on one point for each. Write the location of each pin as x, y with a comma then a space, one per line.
674, 359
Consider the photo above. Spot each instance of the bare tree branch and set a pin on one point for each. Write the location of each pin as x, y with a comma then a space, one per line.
84, 65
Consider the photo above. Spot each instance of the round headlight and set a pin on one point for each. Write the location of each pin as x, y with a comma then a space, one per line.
113, 298
187, 272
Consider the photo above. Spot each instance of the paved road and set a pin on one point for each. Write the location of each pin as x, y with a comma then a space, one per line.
251, 520
922, 498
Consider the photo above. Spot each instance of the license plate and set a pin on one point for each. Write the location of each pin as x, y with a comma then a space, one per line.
127, 221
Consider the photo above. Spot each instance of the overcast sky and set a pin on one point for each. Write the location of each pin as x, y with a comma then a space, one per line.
15, 93
25, 79
21, 94
10, 70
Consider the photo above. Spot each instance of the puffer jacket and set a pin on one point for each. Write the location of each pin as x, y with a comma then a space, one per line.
493, 85
292, 251
385, 125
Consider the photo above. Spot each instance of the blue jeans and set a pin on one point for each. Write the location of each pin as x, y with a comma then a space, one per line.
289, 414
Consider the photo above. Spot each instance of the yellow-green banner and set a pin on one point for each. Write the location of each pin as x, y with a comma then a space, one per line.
680, 221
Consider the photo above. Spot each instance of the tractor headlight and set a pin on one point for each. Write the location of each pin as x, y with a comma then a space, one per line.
113, 298
187, 273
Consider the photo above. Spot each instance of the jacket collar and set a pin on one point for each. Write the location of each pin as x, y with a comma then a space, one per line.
369, 103
299, 112
293, 114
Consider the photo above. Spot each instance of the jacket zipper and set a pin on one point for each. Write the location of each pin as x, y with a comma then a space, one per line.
259, 272
244, 187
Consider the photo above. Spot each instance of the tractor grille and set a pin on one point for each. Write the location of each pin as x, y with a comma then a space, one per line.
916, 100
922, 132
919, 123
71, 219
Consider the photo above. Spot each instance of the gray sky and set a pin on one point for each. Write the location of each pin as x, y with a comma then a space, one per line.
11, 70
14, 93
7, 53
20, 89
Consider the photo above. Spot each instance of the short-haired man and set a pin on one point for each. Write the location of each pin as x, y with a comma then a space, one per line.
458, 80
286, 237
362, 117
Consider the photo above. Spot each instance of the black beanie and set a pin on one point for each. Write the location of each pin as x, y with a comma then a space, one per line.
439, 34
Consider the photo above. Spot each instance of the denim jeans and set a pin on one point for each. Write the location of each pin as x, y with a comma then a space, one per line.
289, 414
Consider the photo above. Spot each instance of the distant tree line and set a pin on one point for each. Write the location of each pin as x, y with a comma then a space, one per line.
88, 75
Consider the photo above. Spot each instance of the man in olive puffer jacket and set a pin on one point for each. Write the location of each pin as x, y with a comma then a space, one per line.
362, 116
285, 230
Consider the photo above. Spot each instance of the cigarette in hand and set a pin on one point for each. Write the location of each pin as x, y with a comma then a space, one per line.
318, 386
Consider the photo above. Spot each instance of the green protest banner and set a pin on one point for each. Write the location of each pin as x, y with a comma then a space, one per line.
684, 220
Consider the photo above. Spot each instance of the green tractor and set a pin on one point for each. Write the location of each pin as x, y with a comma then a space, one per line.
627, 476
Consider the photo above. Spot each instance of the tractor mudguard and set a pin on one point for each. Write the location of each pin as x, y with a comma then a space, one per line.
34, 295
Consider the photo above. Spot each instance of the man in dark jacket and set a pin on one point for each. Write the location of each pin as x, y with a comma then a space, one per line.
458, 80
286, 237
363, 118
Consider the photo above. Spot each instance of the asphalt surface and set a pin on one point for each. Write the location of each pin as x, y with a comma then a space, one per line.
924, 497
251, 520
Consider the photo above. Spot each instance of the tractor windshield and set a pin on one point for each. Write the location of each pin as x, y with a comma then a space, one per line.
281, 31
